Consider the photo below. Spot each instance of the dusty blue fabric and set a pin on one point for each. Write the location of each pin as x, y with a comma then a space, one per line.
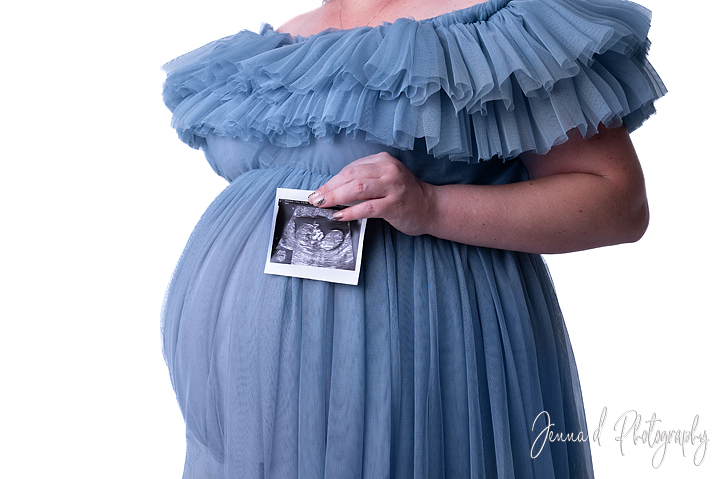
437, 363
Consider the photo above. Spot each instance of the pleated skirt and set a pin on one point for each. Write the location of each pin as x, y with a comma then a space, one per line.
436, 365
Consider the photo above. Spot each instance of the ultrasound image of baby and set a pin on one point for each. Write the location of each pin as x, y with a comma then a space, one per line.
316, 239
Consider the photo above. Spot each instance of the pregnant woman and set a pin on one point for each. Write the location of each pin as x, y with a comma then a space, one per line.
475, 137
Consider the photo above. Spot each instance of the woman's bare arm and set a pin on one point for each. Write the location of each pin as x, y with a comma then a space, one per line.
584, 194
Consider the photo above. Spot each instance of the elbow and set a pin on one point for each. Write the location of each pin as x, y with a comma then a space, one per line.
635, 216
637, 224
631, 204
626, 214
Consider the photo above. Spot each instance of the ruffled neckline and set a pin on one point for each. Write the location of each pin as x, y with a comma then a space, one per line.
491, 80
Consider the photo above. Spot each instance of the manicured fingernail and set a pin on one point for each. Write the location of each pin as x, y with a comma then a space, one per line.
314, 193
338, 215
319, 202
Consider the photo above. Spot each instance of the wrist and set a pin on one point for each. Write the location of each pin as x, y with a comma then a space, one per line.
431, 217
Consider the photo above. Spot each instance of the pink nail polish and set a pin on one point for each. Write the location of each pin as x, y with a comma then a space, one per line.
338, 215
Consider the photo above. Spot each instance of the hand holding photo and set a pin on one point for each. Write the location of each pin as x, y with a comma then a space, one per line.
307, 242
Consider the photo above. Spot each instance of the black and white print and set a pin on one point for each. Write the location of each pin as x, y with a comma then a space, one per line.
308, 243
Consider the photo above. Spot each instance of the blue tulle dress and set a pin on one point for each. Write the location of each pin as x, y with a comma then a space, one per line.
437, 363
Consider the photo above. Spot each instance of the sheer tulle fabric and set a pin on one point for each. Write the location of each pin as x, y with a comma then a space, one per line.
437, 363
496, 79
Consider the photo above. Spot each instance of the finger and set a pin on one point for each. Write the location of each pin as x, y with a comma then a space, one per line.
356, 190
372, 166
366, 209
352, 172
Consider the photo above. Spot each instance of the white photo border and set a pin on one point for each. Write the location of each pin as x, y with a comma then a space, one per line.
311, 272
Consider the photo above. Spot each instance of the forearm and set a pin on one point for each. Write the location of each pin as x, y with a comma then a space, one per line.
586, 193
553, 214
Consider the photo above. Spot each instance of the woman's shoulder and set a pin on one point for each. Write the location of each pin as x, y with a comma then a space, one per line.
328, 15
307, 23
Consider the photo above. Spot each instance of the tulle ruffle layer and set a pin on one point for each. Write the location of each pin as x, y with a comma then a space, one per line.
496, 79
435, 365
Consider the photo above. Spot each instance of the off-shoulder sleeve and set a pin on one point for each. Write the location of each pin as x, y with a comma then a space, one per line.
493, 80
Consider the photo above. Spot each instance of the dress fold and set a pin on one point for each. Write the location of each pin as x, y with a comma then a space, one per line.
441, 358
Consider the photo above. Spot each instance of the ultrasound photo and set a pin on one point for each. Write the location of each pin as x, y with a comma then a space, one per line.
306, 236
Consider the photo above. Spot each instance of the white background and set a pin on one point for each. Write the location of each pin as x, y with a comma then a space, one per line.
98, 196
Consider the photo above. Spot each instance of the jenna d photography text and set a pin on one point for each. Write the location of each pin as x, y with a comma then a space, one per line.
631, 430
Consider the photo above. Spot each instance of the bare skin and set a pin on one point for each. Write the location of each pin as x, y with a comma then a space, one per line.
585, 193
361, 12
